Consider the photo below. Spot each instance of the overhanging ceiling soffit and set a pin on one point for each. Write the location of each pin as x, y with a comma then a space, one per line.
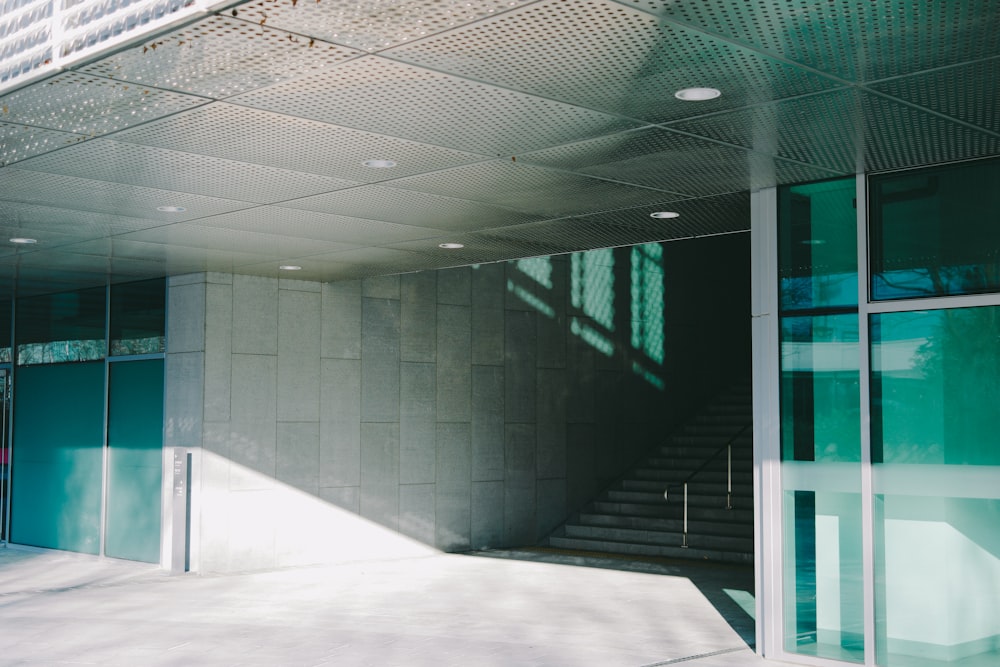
516, 128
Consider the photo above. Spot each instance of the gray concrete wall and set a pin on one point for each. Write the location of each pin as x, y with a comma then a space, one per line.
461, 409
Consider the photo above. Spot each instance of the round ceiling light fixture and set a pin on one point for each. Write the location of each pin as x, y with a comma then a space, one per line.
23, 240
451, 246
380, 164
290, 267
665, 214
697, 94
171, 209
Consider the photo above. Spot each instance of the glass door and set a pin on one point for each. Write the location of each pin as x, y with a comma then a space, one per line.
4, 454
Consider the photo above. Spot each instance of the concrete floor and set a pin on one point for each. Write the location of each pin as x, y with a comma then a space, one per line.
497, 608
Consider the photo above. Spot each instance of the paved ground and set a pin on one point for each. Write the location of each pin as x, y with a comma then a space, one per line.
528, 608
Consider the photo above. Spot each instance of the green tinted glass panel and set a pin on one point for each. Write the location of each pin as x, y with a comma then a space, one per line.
936, 387
138, 317
824, 608
5, 346
817, 245
820, 399
135, 443
57, 456
934, 232
68, 326
937, 581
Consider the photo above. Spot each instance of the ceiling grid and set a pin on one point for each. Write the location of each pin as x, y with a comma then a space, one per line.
352, 138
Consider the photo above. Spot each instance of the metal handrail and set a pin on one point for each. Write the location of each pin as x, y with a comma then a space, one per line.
728, 448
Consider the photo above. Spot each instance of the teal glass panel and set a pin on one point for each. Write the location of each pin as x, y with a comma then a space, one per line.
823, 590
935, 393
138, 316
54, 328
135, 443
937, 578
820, 395
934, 232
817, 245
5, 346
57, 456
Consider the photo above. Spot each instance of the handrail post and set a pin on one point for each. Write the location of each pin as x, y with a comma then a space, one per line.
729, 477
684, 537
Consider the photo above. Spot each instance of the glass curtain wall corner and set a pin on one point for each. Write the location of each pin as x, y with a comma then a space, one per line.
923, 498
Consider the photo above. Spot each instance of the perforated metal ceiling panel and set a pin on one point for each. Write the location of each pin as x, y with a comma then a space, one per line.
515, 127
404, 101
858, 41
250, 135
519, 185
609, 57
374, 24
219, 57
148, 166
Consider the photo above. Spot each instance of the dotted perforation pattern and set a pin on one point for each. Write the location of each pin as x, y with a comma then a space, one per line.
74, 102
822, 130
412, 208
970, 93
655, 158
859, 41
84, 223
608, 57
532, 189
314, 225
105, 197
251, 135
405, 101
374, 24
19, 142
219, 57
899, 136
262, 244
153, 167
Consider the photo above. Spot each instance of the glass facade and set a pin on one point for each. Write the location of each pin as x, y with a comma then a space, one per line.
888, 449
85, 467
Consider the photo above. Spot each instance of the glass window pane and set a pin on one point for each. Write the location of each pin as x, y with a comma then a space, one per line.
138, 317
57, 456
817, 245
937, 580
824, 609
69, 326
820, 399
5, 347
936, 386
135, 443
934, 232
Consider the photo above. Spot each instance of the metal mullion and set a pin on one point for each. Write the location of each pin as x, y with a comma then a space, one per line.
864, 380
933, 303
767, 480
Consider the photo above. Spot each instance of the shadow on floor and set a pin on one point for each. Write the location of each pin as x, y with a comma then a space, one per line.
728, 588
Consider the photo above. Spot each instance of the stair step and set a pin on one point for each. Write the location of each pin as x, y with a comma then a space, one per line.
699, 500
637, 536
691, 553
708, 475
720, 528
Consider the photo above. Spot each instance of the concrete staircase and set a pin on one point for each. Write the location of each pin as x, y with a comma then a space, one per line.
632, 516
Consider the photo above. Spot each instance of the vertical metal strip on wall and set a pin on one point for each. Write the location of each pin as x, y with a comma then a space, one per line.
766, 445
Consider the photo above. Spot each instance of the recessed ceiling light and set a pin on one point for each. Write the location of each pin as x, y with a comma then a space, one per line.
380, 164
697, 94
451, 246
171, 209
665, 214
290, 267
22, 240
